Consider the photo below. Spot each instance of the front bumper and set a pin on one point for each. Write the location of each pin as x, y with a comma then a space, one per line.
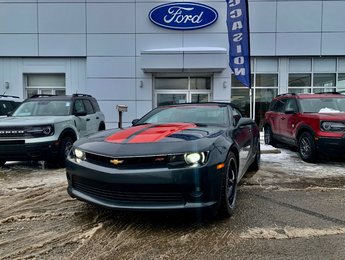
18, 150
331, 146
144, 189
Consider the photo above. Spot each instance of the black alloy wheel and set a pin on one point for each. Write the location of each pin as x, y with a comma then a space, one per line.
229, 188
307, 147
64, 149
268, 135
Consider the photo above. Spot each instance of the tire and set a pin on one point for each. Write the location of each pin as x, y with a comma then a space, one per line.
307, 147
65, 146
268, 136
101, 127
2, 163
255, 166
229, 188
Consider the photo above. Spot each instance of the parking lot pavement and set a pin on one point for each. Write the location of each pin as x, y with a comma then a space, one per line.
287, 210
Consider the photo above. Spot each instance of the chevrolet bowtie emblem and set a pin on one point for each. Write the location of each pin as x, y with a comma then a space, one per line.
116, 162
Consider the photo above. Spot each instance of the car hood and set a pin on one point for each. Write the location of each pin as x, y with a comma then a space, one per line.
31, 120
152, 139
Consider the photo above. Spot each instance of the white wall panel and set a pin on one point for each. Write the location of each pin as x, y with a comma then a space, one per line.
262, 17
18, 45
157, 41
162, 62
143, 107
110, 17
62, 44
206, 40
333, 16
144, 89
263, 44
299, 16
110, 44
333, 44
205, 61
221, 93
108, 89
121, 67
61, 18
60, 1
18, 18
298, 44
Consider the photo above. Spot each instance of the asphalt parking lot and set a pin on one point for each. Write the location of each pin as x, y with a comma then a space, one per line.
287, 210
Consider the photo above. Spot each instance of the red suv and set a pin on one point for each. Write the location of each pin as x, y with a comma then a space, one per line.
315, 123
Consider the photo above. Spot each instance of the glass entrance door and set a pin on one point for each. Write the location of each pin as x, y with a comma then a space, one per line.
177, 90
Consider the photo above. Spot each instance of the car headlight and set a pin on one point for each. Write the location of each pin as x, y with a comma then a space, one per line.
79, 154
332, 126
41, 131
195, 157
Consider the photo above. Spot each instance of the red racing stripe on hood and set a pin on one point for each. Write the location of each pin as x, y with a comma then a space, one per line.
156, 133
123, 135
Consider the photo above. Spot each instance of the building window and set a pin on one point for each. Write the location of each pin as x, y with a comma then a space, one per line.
175, 90
315, 75
265, 84
47, 83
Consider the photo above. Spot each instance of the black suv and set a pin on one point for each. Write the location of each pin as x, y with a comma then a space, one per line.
8, 104
44, 127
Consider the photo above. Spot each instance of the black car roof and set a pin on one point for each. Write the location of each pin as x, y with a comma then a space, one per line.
56, 97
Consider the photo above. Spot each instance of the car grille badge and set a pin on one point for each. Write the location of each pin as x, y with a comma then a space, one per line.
116, 161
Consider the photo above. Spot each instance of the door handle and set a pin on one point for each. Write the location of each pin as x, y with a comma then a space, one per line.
88, 119
97, 117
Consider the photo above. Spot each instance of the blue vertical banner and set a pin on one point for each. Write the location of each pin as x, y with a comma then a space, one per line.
237, 21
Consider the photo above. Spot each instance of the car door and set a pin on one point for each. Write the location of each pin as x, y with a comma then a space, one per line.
289, 119
278, 116
243, 138
92, 119
81, 119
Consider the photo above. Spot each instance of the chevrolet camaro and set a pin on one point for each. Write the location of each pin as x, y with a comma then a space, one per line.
177, 157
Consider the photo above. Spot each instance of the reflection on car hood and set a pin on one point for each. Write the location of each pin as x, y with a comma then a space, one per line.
326, 116
152, 139
32, 120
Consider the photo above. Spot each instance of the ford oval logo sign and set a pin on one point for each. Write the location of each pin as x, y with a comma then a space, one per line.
183, 15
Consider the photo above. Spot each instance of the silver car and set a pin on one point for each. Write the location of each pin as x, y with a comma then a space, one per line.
44, 127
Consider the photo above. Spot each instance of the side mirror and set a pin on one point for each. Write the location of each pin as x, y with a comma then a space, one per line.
9, 114
135, 121
245, 121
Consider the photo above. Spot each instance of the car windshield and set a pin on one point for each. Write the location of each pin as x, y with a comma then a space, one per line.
209, 115
323, 105
44, 108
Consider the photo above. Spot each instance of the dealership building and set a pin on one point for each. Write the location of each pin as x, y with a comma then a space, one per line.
115, 51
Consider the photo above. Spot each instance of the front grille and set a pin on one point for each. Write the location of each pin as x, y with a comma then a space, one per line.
6, 132
156, 161
128, 193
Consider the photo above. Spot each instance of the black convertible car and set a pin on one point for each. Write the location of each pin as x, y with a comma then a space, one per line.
188, 156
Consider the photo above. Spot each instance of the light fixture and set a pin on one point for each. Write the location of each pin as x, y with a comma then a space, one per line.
7, 85
225, 84
141, 84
